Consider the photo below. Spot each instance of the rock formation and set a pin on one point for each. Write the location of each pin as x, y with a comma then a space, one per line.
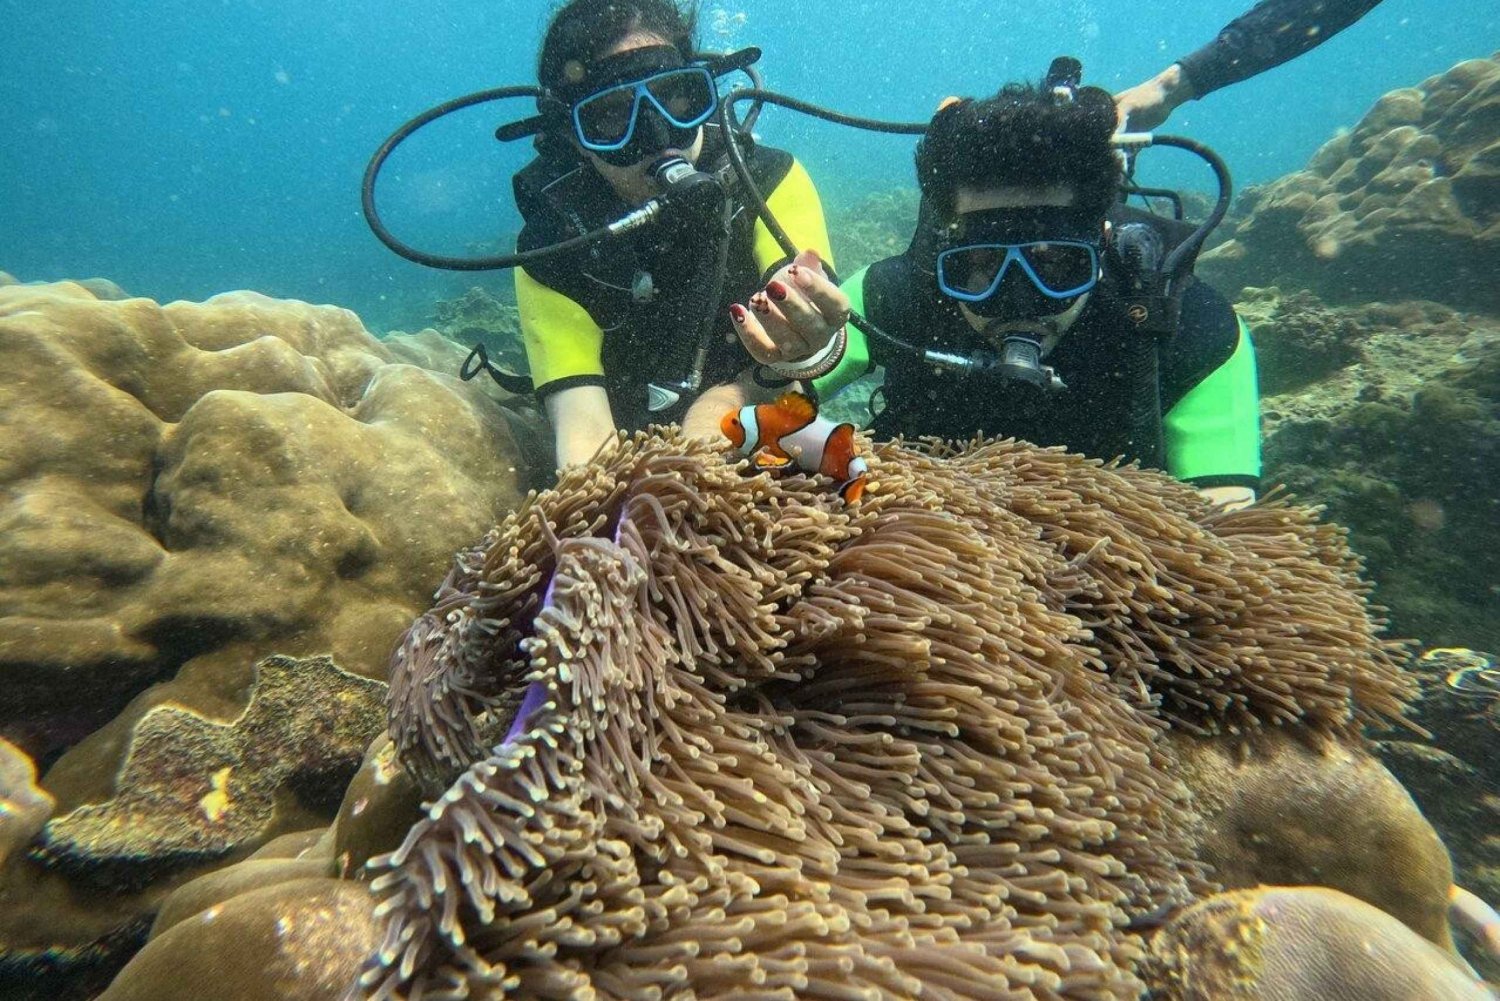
1406, 205
185, 490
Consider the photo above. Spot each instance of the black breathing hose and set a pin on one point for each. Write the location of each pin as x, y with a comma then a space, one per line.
1176, 263
496, 262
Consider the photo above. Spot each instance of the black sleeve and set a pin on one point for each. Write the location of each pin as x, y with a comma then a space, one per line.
1267, 35
1207, 334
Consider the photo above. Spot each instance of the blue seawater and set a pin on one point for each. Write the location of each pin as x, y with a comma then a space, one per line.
184, 147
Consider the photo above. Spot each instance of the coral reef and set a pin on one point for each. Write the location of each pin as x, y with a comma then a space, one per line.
1251, 945
191, 793
477, 317
24, 808
184, 490
193, 789
1403, 206
1284, 812
1400, 444
696, 729
187, 488
295, 939
873, 228
1298, 340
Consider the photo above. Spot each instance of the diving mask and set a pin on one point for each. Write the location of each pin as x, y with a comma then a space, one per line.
636, 104
1056, 250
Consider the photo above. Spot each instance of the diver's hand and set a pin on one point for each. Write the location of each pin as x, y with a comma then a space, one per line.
1147, 105
794, 316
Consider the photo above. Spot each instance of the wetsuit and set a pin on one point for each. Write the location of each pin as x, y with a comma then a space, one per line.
1267, 35
626, 312
1200, 420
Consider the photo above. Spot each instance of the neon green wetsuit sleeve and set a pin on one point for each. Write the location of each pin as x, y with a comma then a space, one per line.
856, 361
1213, 433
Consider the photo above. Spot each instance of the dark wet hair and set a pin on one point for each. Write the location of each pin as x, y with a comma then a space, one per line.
1022, 137
581, 30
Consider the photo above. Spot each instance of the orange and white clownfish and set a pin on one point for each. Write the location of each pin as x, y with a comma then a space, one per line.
775, 435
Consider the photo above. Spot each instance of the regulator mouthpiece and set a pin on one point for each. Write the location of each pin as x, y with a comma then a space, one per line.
1021, 361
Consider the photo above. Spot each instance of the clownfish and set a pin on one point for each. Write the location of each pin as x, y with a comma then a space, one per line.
775, 435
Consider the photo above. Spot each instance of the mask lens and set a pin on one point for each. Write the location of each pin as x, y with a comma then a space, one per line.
605, 119
1061, 268
686, 96
969, 272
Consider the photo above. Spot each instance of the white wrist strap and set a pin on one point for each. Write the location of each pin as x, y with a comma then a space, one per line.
819, 364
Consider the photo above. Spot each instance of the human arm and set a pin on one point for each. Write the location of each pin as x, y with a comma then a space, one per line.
799, 309
563, 349
1212, 432
1269, 34
581, 422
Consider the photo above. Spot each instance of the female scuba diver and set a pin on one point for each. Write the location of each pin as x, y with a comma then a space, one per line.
631, 330
1016, 300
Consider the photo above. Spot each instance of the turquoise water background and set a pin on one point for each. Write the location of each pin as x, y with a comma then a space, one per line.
188, 148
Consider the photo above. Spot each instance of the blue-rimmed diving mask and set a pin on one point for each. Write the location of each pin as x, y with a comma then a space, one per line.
634, 105
1051, 255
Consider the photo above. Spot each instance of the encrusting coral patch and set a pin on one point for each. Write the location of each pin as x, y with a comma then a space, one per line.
193, 789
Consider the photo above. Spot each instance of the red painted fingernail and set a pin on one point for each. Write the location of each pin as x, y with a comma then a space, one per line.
738, 312
776, 291
791, 269
759, 304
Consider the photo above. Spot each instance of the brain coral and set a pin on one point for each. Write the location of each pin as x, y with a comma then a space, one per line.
691, 732
1403, 206
186, 488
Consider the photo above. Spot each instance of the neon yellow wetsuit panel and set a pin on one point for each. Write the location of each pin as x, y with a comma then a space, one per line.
562, 340
796, 205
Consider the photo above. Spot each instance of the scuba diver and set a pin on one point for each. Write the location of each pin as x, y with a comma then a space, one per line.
628, 331
1266, 35
1015, 310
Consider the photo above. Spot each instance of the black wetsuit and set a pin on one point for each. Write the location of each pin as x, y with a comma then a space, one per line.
625, 312
1267, 35
1189, 406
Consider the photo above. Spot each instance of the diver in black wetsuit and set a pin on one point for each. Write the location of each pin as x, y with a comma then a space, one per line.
1022, 254
1267, 35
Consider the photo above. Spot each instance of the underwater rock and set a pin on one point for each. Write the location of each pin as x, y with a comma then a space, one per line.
1403, 206
191, 487
24, 808
1287, 812
1457, 781
192, 789
1277, 943
300, 939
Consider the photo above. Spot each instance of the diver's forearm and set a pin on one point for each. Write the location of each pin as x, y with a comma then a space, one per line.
1267, 35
